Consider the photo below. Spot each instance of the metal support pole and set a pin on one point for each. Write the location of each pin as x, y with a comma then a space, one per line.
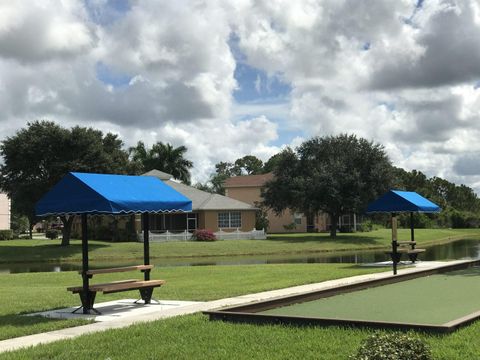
394, 243
412, 232
86, 291
146, 245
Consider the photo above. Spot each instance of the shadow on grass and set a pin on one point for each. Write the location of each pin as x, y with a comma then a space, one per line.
24, 320
340, 239
12, 326
43, 252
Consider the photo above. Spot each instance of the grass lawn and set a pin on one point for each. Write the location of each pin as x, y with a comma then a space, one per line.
32, 292
193, 336
17, 251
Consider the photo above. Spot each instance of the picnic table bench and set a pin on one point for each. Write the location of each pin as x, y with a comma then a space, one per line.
145, 287
402, 248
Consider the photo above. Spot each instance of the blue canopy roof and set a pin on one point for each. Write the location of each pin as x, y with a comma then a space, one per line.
402, 201
79, 193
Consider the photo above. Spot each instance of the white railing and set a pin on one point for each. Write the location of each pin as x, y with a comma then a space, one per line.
166, 236
241, 235
220, 235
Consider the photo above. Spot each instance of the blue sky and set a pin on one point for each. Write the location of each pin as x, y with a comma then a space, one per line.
259, 90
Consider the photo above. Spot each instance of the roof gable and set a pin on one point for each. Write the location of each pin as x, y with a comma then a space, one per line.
159, 174
202, 200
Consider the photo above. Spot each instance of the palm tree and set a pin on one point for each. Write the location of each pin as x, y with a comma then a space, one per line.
163, 157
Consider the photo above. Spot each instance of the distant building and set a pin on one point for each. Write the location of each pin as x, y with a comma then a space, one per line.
248, 189
209, 211
4, 212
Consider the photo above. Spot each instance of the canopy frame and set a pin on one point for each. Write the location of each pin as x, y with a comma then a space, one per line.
175, 202
395, 202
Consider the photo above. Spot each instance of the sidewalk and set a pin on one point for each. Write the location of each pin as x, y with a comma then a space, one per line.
163, 312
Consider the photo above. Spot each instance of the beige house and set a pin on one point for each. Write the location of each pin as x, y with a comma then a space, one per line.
248, 189
209, 211
4, 212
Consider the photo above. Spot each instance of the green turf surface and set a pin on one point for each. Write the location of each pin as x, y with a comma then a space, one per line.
434, 299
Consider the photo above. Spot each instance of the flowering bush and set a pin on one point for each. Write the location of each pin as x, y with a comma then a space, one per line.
51, 234
204, 235
393, 346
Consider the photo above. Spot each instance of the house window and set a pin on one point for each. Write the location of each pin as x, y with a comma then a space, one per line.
231, 219
297, 218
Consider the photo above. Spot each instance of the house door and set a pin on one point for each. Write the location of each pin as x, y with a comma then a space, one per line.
191, 222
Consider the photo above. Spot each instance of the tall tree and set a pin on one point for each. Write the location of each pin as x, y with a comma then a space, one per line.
271, 163
333, 174
223, 170
248, 165
163, 157
38, 156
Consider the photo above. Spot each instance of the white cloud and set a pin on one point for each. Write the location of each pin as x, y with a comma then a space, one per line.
384, 70
41, 30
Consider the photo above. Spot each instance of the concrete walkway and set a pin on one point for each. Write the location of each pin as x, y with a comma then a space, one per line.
70, 333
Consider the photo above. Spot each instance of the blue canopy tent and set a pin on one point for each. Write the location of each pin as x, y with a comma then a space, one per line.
396, 201
97, 194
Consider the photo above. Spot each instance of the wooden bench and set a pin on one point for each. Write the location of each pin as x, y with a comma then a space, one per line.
402, 249
145, 287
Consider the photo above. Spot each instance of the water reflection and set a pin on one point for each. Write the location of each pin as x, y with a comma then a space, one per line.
461, 249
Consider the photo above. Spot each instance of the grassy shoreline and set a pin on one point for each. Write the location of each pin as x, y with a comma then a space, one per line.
24, 251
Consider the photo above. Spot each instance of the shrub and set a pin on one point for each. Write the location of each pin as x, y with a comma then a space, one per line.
290, 227
51, 234
346, 229
204, 235
102, 233
261, 217
394, 346
366, 226
6, 235
20, 224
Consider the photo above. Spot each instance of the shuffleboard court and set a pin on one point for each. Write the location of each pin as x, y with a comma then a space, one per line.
439, 299
435, 299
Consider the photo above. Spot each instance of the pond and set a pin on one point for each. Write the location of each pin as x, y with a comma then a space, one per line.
461, 249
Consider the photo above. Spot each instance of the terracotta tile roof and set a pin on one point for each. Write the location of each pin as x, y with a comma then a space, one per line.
248, 180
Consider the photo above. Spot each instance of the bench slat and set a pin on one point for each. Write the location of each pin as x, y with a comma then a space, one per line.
76, 289
406, 242
118, 269
132, 286
414, 251
117, 286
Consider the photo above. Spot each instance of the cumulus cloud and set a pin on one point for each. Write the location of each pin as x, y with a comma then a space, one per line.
394, 71
41, 30
467, 164
448, 41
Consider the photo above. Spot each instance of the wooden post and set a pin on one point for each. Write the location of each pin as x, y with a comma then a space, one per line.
86, 291
394, 243
146, 245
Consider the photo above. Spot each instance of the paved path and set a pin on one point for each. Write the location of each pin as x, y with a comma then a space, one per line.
69, 333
